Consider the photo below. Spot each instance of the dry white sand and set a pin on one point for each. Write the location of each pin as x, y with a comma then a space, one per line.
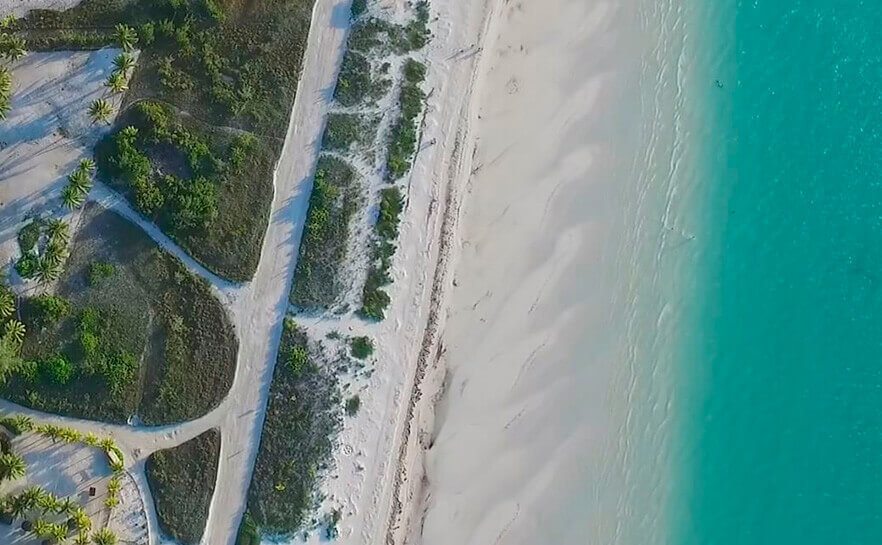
69, 471
47, 132
521, 449
20, 8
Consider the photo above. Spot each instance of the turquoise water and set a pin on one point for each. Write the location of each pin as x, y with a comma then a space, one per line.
780, 399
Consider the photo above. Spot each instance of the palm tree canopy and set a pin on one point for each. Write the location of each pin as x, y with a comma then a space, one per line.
100, 110
14, 331
7, 303
12, 466
81, 180
71, 197
124, 62
126, 36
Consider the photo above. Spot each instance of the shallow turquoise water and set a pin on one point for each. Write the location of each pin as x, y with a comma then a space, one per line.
779, 439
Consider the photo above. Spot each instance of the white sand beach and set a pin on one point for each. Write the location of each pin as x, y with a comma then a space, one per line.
523, 445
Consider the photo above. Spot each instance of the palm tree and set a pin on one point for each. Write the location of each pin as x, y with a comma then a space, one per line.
48, 503
117, 82
58, 533
87, 164
126, 36
82, 538
14, 331
56, 252
18, 506
81, 519
58, 229
81, 179
72, 198
12, 466
124, 62
49, 268
10, 362
100, 111
31, 496
104, 536
12, 47
5, 92
42, 529
66, 505
7, 303
21, 423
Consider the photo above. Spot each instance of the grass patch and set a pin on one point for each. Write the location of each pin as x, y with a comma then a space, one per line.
209, 189
399, 155
323, 248
302, 416
375, 300
345, 130
149, 339
355, 83
361, 347
182, 480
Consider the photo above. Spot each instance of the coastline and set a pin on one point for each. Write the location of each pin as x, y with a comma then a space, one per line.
525, 383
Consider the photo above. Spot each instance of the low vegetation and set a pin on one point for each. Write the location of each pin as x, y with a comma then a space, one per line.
128, 332
375, 300
346, 130
335, 196
182, 480
361, 347
208, 189
352, 405
405, 131
302, 416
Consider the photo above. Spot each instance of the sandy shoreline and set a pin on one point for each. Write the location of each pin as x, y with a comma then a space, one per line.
525, 338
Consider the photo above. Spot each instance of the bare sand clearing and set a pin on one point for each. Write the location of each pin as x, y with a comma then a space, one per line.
521, 448
47, 132
20, 8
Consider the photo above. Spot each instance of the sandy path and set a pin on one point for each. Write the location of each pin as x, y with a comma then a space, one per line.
257, 307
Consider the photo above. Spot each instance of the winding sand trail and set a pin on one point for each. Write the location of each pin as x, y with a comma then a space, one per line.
256, 308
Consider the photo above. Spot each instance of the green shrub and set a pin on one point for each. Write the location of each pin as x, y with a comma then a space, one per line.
49, 309
29, 235
56, 370
99, 271
361, 347
147, 33
297, 359
358, 7
405, 130
374, 299
27, 265
352, 405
